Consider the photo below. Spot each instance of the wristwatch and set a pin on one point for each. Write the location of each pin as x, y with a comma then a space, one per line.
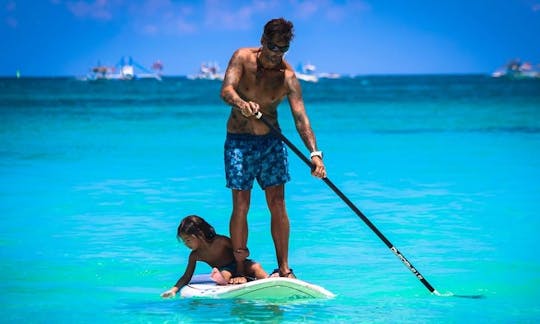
316, 153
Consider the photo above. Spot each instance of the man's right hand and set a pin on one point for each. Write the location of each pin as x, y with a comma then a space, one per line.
249, 109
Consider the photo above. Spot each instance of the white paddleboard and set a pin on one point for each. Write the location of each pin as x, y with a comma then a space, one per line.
202, 286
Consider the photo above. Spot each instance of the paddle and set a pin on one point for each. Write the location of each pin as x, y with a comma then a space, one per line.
360, 214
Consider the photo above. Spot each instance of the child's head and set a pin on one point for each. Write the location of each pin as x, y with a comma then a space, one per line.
195, 225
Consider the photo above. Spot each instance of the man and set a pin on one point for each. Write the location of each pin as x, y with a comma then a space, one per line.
257, 80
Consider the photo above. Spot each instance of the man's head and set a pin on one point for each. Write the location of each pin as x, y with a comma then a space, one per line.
277, 35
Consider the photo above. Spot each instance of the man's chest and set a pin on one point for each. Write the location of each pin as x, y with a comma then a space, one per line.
265, 89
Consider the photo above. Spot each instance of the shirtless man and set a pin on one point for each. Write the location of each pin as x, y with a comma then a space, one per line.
257, 79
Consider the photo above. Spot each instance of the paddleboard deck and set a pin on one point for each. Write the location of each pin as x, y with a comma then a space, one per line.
201, 286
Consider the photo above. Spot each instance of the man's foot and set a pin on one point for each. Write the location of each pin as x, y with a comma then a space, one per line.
218, 277
238, 280
277, 273
289, 274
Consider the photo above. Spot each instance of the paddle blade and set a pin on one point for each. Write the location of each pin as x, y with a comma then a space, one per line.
451, 294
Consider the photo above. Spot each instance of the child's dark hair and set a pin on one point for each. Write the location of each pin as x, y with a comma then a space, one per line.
195, 225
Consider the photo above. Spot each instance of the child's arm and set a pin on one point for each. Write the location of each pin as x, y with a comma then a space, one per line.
184, 280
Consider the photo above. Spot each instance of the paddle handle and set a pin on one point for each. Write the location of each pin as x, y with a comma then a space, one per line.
349, 203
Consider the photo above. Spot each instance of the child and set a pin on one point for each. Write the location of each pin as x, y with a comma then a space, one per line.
215, 250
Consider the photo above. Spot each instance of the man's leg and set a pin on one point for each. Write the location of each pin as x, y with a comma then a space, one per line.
275, 198
238, 228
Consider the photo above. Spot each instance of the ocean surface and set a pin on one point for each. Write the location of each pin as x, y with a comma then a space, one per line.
95, 177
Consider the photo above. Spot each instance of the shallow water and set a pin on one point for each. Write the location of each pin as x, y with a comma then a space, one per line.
96, 176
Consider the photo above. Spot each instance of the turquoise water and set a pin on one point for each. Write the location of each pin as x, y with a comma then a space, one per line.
96, 176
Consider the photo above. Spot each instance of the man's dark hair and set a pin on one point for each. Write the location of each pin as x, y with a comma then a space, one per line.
280, 27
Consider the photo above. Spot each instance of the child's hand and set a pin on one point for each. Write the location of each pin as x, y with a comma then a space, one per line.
169, 293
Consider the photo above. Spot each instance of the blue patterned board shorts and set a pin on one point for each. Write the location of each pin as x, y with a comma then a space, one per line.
249, 157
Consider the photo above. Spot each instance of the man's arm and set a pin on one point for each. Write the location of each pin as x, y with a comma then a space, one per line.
231, 80
233, 74
298, 109
303, 126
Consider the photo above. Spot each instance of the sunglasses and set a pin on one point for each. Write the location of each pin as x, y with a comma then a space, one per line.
274, 48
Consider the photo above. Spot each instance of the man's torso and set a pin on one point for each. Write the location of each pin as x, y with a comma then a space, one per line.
266, 87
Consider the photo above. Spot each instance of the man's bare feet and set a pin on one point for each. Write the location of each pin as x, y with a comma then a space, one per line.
289, 274
277, 273
237, 280
218, 277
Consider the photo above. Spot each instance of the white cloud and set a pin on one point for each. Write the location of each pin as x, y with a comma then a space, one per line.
307, 9
326, 9
232, 16
99, 9
11, 10
11, 22
150, 29
185, 27
161, 17
11, 6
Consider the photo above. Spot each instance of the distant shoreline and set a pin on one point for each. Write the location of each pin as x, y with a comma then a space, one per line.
342, 77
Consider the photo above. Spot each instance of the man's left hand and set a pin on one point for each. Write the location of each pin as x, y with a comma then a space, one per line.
318, 170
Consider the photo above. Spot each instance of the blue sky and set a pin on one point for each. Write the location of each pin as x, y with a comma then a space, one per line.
57, 37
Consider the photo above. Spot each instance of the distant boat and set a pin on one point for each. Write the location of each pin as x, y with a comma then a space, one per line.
515, 69
306, 72
126, 68
326, 75
208, 71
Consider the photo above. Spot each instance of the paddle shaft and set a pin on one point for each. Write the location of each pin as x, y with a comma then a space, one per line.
351, 205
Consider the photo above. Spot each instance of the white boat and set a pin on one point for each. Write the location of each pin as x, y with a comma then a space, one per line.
306, 72
208, 71
326, 75
515, 69
126, 71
